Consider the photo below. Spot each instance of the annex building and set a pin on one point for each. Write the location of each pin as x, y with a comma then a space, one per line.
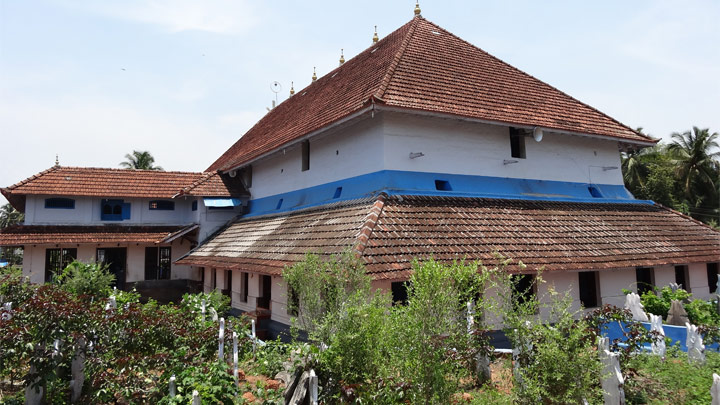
422, 145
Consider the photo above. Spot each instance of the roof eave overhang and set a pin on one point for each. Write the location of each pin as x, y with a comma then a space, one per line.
16, 200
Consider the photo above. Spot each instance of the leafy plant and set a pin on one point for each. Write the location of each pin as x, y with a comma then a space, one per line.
214, 299
90, 279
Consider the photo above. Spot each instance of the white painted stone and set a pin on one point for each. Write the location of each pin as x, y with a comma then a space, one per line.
612, 379
196, 400
77, 371
632, 302
694, 343
313, 382
235, 356
715, 390
172, 387
221, 339
111, 304
658, 346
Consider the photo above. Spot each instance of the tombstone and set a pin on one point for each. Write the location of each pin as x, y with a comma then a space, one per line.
658, 346
482, 362
301, 390
313, 382
715, 390
612, 379
77, 371
675, 286
56, 348
235, 356
221, 339
172, 387
111, 304
603, 345
695, 346
196, 398
677, 315
632, 302
35, 391
213, 314
252, 336
202, 310
717, 287
7, 311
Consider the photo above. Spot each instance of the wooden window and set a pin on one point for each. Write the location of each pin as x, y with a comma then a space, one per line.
228, 284
305, 155
399, 292
157, 263
114, 210
517, 143
56, 260
712, 275
213, 278
682, 277
523, 288
645, 277
61, 203
162, 205
589, 289
244, 278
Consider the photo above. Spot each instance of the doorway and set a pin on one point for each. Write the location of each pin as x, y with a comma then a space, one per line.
265, 289
116, 259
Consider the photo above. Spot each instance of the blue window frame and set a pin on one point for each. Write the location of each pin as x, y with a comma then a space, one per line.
162, 205
114, 210
61, 203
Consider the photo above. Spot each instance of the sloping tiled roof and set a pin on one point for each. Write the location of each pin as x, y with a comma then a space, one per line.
423, 67
19, 235
102, 182
390, 232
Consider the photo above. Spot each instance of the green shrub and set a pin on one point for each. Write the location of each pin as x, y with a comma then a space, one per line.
214, 299
90, 279
212, 381
660, 304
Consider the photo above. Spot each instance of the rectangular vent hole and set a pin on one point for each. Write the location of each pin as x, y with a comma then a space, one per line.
442, 185
595, 192
279, 204
338, 191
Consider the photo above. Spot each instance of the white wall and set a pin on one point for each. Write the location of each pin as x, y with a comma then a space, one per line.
456, 147
349, 152
698, 280
211, 220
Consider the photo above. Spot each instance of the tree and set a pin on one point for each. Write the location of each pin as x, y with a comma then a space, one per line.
10, 216
142, 160
695, 152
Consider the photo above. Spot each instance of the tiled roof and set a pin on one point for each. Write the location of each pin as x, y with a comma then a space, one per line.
423, 67
19, 235
102, 182
390, 232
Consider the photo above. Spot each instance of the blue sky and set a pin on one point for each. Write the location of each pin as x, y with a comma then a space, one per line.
93, 80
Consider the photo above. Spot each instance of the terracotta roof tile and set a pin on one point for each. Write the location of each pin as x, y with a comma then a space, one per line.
543, 234
423, 67
38, 234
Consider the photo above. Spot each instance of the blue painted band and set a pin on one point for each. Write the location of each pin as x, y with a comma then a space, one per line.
395, 182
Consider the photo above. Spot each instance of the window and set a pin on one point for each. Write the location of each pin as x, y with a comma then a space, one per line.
594, 192
442, 185
517, 143
645, 277
306, 155
56, 260
162, 205
682, 278
523, 288
193, 207
589, 292
338, 192
228, 284
712, 274
157, 263
114, 210
399, 292
62, 203
244, 286
230, 208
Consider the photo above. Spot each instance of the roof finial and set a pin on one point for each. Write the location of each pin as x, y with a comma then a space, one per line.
292, 89
417, 8
314, 74
342, 56
57, 161
375, 37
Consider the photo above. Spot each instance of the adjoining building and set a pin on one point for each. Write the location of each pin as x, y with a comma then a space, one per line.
425, 145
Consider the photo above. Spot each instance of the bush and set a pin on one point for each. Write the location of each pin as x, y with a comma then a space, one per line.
212, 381
90, 279
214, 299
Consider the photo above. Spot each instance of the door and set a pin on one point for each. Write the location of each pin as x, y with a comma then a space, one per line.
265, 288
116, 259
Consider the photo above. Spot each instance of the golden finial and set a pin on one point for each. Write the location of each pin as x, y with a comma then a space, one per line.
417, 8
292, 89
314, 75
342, 56
375, 37
57, 161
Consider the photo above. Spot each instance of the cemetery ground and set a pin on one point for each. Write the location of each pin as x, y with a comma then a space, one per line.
78, 340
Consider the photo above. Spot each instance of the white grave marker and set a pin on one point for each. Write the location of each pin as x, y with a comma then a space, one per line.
235, 356
695, 346
221, 339
632, 302
172, 388
612, 379
313, 382
658, 346
715, 390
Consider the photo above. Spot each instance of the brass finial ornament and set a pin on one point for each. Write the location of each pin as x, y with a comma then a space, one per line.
342, 56
417, 8
292, 89
57, 160
375, 37
314, 75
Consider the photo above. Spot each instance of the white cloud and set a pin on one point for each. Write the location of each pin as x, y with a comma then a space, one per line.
216, 16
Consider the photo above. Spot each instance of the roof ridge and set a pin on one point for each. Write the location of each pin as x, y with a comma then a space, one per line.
204, 176
368, 226
31, 178
122, 170
385, 82
543, 82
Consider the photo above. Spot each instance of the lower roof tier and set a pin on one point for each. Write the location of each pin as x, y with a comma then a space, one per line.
390, 231
21, 235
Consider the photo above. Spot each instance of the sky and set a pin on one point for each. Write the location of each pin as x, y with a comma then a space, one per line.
93, 80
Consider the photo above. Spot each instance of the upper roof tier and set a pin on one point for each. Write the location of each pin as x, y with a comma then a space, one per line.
102, 182
423, 67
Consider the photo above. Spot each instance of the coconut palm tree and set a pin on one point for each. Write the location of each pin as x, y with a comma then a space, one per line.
10, 216
695, 153
140, 160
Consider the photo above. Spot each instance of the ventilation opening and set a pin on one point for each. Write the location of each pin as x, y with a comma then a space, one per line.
279, 204
442, 185
595, 192
338, 191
